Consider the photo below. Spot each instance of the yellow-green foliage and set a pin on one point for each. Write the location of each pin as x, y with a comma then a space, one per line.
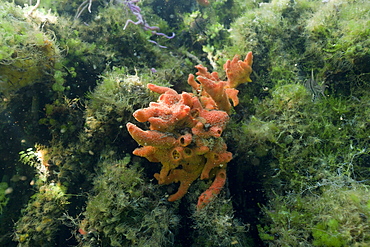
209, 28
305, 141
344, 25
119, 90
129, 48
27, 54
215, 225
115, 99
337, 217
3, 198
270, 30
124, 211
313, 151
287, 37
42, 216
260, 131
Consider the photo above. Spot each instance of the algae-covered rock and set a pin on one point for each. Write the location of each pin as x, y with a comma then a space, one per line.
41, 219
293, 38
337, 217
27, 54
114, 100
124, 210
216, 225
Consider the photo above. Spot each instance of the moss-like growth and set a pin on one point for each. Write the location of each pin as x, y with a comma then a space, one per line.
123, 209
3, 198
292, 38
113, 101
41, 218
337, 217
269, 31
302, 148
123, 92
215, 225
304, 141
27, 55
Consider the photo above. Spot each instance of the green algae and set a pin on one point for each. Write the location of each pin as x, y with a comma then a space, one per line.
3, 198
286, 37
118, 208
217, 226
27, 55
309, 154
337, 217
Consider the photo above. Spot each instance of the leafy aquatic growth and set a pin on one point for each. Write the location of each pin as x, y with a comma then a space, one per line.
292, 38
29, 157
131, 5
26, 54
217, 226
41, 219
124, 211
336, 217
3, 198
120, 91
314, 151
113, 101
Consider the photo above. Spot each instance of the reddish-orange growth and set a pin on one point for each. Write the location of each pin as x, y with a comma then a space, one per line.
238, 71
185, 129
213, 190
203, 2
216, 93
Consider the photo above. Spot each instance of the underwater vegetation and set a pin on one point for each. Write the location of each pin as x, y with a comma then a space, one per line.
27, 55
338, 217
3, 198
292, 38
117, 210
74, 74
